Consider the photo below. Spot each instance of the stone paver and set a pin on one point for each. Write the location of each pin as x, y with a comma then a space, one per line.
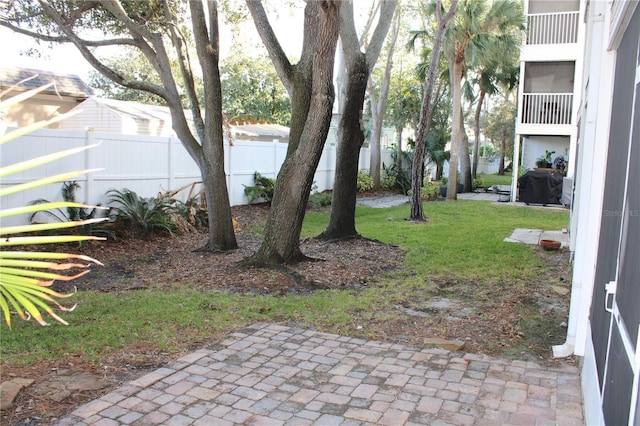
352, 382
533, 236
383, 201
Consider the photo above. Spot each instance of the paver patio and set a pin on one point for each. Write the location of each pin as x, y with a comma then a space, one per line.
271, 374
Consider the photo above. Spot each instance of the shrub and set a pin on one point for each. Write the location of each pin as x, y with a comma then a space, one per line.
74, 212
143, 214
402, 174
478, 182
320, 199
430, 190
365, 182
263, 188
388, 180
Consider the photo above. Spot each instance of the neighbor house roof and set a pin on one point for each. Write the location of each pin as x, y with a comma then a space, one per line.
27, 78
260, 131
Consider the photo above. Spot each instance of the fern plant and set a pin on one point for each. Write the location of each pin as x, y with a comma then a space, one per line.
26, 277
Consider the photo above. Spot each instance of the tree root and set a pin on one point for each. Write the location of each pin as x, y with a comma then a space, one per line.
350, 238
331, 239
208, 249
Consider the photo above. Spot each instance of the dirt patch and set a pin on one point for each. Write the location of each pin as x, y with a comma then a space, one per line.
512, 319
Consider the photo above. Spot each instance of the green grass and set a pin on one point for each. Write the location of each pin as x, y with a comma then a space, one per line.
495, 179
461, 241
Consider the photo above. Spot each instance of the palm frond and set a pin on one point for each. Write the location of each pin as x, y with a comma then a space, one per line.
25, 277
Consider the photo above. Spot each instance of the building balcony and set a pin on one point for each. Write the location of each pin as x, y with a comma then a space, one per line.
552, 28
547, 108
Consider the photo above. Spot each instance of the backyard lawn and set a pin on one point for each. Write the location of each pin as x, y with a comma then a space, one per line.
452, 277
495, 179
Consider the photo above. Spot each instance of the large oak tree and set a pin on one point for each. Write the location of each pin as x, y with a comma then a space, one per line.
358, 66
309, 83
154, 29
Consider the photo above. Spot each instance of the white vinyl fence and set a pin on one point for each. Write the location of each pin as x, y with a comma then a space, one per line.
147, 165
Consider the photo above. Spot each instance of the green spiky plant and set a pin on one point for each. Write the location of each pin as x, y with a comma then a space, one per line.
68, 193
142, 214
26, 276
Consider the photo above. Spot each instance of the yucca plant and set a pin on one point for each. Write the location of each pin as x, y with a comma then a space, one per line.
26, 276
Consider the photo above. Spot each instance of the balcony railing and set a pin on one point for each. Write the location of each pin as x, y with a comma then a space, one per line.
552, 28
547, 108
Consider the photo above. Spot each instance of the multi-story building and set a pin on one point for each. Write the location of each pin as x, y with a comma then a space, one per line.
580, 92
550, 81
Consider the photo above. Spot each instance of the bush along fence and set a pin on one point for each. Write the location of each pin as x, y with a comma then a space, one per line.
150, 165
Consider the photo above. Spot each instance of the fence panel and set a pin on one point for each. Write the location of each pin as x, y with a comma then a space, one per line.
148, 165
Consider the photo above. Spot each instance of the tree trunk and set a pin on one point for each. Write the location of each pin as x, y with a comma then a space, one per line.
503, 148
281, 238
456, 132
476, 131
221, 233
343, 203
358, 66
374, 149
381, 105
465, 160
399, 147
426, 111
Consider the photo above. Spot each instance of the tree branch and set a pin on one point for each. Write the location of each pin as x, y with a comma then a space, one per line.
269, 39
64, 39
95, 62
115, 7
348, 35
185, 69
380, 32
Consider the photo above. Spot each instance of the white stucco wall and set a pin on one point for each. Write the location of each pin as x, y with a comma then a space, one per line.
534, 147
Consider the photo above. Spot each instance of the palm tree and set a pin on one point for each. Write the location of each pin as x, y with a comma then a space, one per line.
495, 72
475, 27
442, 22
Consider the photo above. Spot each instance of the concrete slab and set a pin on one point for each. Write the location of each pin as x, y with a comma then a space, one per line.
383, 201
533, 236
479, 196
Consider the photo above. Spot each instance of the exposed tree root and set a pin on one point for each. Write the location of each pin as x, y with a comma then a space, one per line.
330, 238
356, 237
207, 248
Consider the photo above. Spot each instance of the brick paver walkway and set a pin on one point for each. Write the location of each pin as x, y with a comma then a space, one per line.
276, 375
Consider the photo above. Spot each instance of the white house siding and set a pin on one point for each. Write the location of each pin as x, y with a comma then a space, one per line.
605, 220
130, 118
534, 147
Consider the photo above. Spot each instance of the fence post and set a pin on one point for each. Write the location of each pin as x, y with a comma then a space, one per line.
88, 140
230, 172
170, 163
276, 168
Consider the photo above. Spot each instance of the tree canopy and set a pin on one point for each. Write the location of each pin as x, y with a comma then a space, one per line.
251, 89
158, 30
